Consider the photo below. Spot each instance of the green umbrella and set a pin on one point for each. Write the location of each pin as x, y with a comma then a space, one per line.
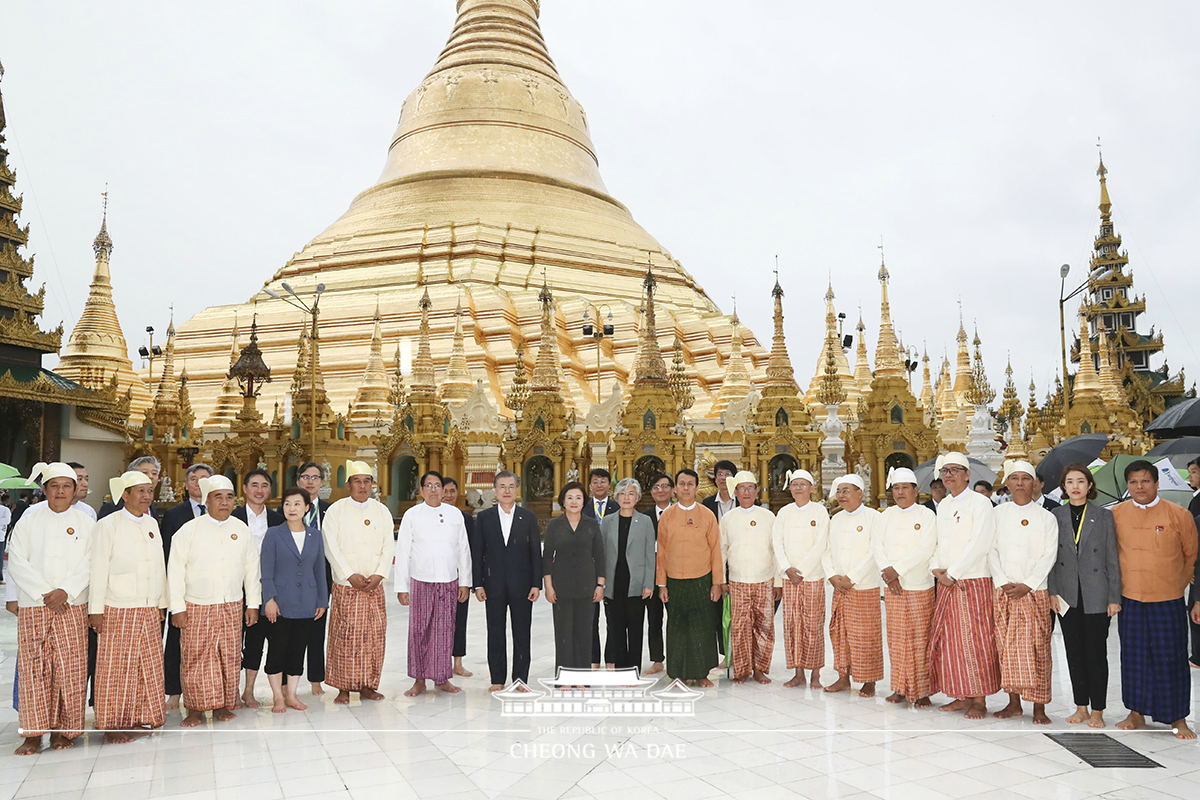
1110, 479
7, 472
17, 482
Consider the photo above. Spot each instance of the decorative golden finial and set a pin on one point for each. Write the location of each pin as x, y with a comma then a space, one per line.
545, 369
779, 365
518, 392
681, 386
980, 392
648, 365
423, 377
831, 392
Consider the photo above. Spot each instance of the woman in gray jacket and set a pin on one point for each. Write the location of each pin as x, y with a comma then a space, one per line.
629, 558
1086, 577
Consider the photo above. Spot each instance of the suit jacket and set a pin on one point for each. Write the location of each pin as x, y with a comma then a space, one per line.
639, 552
1094, 568
175, 518
610, 507
295, 579
1050, 505
273, 517
1194, 507
512, 568
932, 506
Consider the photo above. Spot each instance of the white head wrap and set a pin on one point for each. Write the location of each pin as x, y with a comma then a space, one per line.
800, 473
1019, 466
853, 480
357, 468
952, 459
43, 472
900, 475
742, 477
117, 486
216, 483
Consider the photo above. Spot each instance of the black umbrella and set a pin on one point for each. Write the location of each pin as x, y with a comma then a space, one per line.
1084, 449
1179, 451
1181, 419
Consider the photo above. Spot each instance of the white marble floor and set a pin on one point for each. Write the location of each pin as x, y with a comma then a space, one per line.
744, 741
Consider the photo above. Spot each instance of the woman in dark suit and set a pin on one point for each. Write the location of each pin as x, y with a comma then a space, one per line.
629, 572
294, 595
573, 563
1086, 577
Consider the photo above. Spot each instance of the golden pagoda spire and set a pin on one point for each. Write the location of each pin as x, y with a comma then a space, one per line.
849, 386
300, 373
1086, 380
1032, 414
97, 349
830, 392
962, 374
681, 385
862, 367
397, 395
1105, 203
518, 392
230, 399
928, 402
779, 365
649, 367
166, 399
1110, 385
1010, 405
735, 385
545, 369
458, 384
887, 351
981, 392
371, 399
423, 378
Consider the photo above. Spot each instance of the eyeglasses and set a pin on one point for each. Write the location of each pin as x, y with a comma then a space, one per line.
952, 470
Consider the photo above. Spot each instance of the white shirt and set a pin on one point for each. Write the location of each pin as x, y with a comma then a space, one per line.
358, 539
213, 562
49, 551
196, 505
746, 545
725, 506
257, 524
849, 551
600, 506
800, 538
298, 538
5, 519
966, 531
1151, 504
905, 540
1026, 545
432, 547
506, 520
128, 568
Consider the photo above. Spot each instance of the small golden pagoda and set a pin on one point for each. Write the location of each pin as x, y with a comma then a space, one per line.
1086, 412
832, 346
371, 408
229, 401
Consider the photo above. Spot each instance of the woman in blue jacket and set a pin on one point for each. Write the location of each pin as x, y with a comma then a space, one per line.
294, 595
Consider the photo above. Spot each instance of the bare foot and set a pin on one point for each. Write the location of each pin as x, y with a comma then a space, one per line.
460, 670
495, 687
317, 688
723, 665
367, 693
977, 709
447, 687
761, 677
60, 742
922, 702
842, 684
704, 683
740, 680
223, 715
117, 737
1013, 709
1097, 720
797, 680
1080, 715
955, 705
248, 699
279, 706
192, 719
523, 688
172, 702
418, 688
1133, 722
1039, 714
655, 668
30, 746
343, 698
895, 697
815, 683
293, 702
1182, 731
867, 690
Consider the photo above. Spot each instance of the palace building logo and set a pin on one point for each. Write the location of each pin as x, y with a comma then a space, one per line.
601, 693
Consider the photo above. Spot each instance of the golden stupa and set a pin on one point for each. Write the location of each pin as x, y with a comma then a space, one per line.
491, 186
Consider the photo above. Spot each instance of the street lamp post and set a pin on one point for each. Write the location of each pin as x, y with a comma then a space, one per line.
149, 353
1063, 271
597, 332
296, 302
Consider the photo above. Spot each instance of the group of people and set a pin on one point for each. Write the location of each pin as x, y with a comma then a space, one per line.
971, 590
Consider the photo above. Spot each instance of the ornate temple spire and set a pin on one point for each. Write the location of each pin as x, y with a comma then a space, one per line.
166, 398
229, 401
649, 366
423, 378
862, 367
1105, 203
250, 372
779, 365
981, 392
947, 402
928, 400
1110, 384
545, 370
736, 383
370, 406
398, 394
844, 375
887, 352
1032, 413
1087, 382
300, 373
97, 349
681, 385
962, 373
518, 392
458, 384
830, 392
1010, 405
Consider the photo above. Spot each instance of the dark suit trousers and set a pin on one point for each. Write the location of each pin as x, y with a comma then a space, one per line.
171, 660
570, 631
623, 645
254, 639
1192, 600
596, 634
519, 610
1085, 637
316, 637
655, 613
460, 628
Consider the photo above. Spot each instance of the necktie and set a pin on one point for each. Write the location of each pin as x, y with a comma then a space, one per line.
203, 510
599, 509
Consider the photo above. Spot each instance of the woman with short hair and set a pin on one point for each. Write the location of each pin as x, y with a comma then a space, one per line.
629, 575
573, 564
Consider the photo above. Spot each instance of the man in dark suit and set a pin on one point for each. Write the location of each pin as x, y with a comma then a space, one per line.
507, 561
310, 477
1039, 486
600, 506
256, 489
1194, 510
450, 498
719, 504
175, 518
662, 489
150, 467
937, 493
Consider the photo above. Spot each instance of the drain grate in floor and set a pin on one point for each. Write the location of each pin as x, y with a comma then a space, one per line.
1101, 750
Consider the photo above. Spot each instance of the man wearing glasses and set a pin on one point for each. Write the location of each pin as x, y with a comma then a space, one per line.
962, 645
311, 477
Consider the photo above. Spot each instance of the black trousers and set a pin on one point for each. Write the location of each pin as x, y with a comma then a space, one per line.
93, 649
596, 634
289, 639
1085, 637
254, 637
171, 660
1195, 596
719, 621
316, 649
623, 647
655, 614
460, 628
500, 610
571, 617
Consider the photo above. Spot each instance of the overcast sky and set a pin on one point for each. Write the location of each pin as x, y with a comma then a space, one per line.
231, 133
